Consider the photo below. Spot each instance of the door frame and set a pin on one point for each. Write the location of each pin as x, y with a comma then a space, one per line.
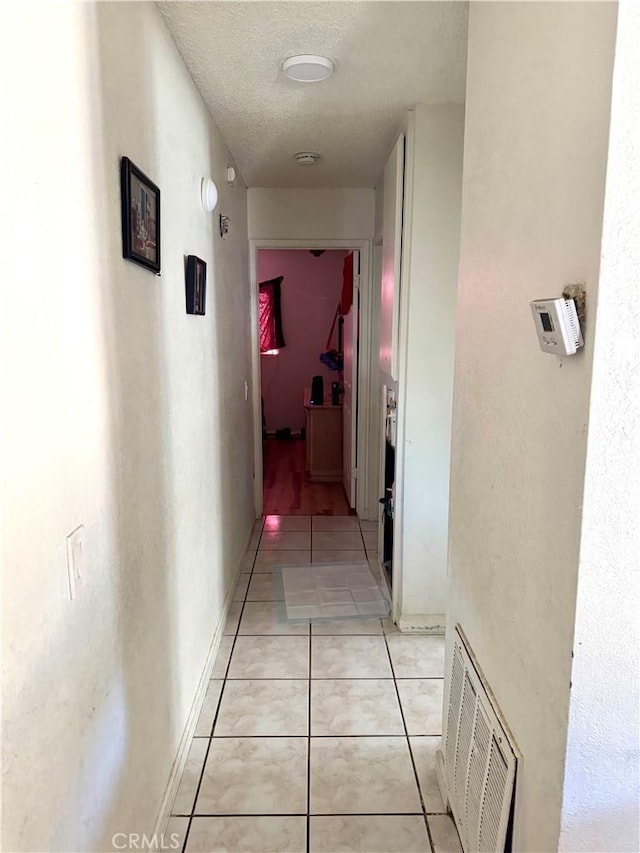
366, 480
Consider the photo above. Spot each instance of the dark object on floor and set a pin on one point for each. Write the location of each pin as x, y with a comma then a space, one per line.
284, 434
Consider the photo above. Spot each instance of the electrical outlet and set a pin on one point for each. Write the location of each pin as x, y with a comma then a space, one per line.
76, 560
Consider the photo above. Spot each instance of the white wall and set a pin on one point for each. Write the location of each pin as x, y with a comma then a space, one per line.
122, 413
537, 117
311, 291
431, 244
602, 775
307, 214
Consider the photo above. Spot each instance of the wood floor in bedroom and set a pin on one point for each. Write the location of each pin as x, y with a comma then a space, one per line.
286, 489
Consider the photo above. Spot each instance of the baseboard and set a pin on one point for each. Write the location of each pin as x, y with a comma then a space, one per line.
422, 623
185, 741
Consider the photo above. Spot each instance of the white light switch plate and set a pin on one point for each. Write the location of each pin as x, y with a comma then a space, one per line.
76, 564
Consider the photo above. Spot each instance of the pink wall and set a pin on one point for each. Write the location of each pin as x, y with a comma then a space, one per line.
311, 290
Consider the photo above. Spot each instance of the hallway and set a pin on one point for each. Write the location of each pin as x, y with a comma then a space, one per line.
314, 738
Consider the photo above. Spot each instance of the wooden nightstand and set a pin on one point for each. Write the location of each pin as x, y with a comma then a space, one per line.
323, 441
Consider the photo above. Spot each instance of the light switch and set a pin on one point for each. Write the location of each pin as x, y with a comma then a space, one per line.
76, 560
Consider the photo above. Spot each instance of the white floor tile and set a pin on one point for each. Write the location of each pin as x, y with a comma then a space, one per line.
333, 523
370, 539
322, 555
362, 775
288, 523
389, 626
252, 708
209, 708
355, 707
417, 655
370, 834
267, 560
255, 540
345, 627
249, 560
349, 657
424, 756
346, 541
255, 776
444, 834
283, 541
368, 526
222, 658
175, 833
190, 777
241, 587
233, 618
266, 587
266, 834
268, 617
270, 657
421, 700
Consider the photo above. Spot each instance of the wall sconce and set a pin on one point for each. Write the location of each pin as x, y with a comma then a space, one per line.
208, 195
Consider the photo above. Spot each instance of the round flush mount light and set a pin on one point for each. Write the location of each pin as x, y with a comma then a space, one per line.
307, 68
208, 195
306, 158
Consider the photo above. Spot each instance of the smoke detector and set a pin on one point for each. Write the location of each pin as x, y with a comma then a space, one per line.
306, 158
307, 68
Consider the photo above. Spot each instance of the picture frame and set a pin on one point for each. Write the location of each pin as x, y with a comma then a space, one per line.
196, 285
140, 199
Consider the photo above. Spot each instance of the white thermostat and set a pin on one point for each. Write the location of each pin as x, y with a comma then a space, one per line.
557, 325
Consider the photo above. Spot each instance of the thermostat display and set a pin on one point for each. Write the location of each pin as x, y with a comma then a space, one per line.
557, 325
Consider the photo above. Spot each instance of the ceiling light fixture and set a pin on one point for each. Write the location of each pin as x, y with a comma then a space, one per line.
208, 195
307, 68
306, 158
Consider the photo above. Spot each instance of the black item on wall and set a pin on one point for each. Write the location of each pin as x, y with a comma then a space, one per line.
196, 285
317, 391
388, 511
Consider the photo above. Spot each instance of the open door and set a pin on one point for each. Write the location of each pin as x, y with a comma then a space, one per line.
351, 331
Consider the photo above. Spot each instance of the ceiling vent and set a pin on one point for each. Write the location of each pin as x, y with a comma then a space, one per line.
306, 158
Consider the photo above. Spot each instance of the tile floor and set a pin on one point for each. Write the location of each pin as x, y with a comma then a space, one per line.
314, 737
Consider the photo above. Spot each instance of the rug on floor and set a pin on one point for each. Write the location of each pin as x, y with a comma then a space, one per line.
330, 591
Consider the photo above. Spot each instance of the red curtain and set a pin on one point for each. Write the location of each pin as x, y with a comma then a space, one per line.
270, 313
347, 285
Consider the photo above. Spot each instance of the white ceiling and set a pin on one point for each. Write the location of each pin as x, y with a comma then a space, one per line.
388, 55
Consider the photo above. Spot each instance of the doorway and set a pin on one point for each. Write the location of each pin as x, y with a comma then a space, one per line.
307, 453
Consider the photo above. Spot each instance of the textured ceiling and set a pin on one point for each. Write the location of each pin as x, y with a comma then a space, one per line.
388, 55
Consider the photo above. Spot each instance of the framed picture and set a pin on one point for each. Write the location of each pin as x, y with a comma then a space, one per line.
140, 217
196, 285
